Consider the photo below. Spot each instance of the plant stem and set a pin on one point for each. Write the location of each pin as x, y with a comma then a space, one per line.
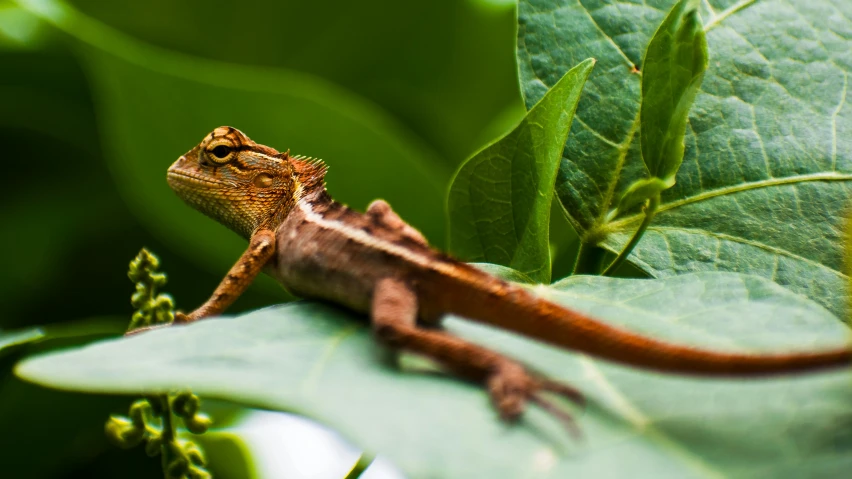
650, 211
363, 463
168, 434
588, 259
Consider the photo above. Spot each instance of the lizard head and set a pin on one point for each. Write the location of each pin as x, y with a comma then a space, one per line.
242, 184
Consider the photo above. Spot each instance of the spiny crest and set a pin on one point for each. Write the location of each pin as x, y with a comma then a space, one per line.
311, 171
314, 162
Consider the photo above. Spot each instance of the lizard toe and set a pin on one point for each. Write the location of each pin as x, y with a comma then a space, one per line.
561, 415
511, 387
563, 390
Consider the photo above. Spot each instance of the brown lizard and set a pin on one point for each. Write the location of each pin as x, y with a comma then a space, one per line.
375, 263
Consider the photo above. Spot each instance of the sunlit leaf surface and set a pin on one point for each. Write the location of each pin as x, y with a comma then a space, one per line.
321, 361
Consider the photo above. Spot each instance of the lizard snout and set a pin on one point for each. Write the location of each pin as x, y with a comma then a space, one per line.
182, 164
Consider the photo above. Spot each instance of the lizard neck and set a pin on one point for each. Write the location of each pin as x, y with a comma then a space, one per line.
309, 193
316, 201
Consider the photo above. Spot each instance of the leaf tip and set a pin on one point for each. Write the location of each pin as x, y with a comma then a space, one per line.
24, 370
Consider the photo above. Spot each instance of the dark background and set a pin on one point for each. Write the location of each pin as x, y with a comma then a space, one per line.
95, 105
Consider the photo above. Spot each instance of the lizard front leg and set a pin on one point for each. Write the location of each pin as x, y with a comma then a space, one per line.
261, 249
510, 385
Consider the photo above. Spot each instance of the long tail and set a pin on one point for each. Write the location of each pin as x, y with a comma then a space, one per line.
513, 308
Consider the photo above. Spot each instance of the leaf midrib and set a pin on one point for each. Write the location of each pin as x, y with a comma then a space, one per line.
748, 186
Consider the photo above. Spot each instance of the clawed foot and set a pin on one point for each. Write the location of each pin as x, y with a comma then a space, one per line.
511, 387
181, 317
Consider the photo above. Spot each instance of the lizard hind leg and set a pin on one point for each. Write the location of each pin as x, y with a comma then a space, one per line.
509, 384
381, 211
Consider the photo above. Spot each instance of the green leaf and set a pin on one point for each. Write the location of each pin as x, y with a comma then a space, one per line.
499, 201
671, 74
767, 169
10, 339
69, 330
637, 193
321, 361
504, 273
156, 104
847, 260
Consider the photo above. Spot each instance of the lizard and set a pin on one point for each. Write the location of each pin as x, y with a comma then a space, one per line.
377, 264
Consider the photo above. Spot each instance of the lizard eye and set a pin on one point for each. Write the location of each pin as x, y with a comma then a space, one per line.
221, 152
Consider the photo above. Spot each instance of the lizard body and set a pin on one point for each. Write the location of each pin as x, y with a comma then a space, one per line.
377, 264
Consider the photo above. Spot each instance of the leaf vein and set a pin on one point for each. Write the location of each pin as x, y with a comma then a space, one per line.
834, 123
309, 383
643, 424
756, 244
608, 38
710, 9
595, 133
754, 185
760, 140
742, 4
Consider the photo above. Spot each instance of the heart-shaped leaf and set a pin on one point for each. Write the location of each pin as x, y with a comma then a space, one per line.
767, 169
500, 198
321, 361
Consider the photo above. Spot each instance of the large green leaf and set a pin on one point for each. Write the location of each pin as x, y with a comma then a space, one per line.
321, 361
768, 159
156, 104
500, 199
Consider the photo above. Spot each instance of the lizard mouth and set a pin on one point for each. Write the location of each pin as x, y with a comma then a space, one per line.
177, 177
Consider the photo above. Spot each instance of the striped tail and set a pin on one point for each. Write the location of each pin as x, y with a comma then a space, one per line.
511, 307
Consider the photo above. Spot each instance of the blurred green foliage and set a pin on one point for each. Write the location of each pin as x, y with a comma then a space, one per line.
393, 96
97, 98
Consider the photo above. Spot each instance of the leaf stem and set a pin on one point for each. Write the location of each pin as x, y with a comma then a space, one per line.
650, 212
